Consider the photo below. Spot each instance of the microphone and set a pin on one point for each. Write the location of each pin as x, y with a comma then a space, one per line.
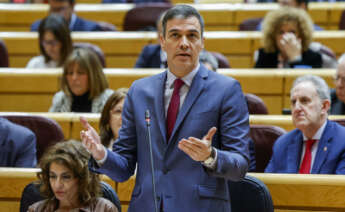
148, 125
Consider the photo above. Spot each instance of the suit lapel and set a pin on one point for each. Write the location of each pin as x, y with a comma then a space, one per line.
294, 153
323, 149
194, 92
159, 87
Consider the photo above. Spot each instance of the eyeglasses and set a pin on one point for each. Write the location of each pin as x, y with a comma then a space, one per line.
50, 42
340, 79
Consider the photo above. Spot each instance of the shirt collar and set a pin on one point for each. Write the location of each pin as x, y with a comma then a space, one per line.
318, 134
188, 79
72, 21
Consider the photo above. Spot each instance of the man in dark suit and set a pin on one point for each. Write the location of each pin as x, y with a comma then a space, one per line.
66, 9
317, 145
17, 145
199, 130
338, 94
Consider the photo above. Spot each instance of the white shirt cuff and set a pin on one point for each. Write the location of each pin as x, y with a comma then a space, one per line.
101, 161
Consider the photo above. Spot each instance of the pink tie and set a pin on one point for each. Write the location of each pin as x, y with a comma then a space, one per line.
173, 107
306, 163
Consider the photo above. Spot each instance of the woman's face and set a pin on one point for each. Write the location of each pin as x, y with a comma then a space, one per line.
64, 184
77, 79
51, 46
115, 117
287, 27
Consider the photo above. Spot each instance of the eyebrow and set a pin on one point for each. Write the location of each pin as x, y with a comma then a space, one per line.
190, 30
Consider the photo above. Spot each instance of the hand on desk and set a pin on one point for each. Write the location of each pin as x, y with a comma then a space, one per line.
198, 150
91, 140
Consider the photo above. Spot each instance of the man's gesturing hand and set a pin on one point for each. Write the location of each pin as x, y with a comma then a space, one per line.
198, 150
91, 140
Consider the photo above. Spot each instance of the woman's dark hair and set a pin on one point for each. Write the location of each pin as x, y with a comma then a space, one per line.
59, 28
105, 130
75, 157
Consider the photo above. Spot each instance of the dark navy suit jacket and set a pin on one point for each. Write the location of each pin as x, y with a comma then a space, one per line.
79, 25
183, 184
337, 106
17, 145
329, 158
149, 57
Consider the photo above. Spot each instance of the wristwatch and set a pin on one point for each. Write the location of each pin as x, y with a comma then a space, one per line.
210, 160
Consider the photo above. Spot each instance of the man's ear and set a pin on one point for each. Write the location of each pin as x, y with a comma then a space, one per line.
162, 41
326, 104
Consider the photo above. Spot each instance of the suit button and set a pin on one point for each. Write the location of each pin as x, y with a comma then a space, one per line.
158, 198
165, 171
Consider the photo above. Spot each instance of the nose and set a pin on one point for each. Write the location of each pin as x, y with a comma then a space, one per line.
74, 76
297, 106
184, 42
58, 184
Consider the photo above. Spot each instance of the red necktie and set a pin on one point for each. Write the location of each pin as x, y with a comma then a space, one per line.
306, 163
173, 106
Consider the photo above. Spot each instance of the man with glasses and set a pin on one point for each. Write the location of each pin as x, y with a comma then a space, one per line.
65, 8
338, 94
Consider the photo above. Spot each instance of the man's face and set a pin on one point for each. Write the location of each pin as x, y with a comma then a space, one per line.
182, 43
307, 107
63, 8
340, 82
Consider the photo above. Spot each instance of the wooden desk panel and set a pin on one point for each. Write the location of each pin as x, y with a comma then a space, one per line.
122, 49
37, 98
226, 16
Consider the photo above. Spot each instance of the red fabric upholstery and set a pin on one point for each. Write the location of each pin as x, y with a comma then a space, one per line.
3, 55
47, 131
264, 137
255, 104
144, 16
250, 24
222, 60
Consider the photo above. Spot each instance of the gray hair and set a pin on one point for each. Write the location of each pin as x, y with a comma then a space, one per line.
319, 84
207, 57
182, 11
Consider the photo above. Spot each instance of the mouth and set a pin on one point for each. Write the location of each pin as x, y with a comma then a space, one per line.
183, 55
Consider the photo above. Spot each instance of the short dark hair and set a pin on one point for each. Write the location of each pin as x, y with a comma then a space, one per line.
183, 11
59, 28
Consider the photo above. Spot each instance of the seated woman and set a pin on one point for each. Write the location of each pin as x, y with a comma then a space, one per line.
111, 121
54, 41
67, 183
287, 34
84, 87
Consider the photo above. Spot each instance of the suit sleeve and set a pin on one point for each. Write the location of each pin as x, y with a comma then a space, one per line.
27, 155
121, 162
233, 132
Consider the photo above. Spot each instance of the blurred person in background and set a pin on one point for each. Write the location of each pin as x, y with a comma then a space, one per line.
54, 41
84, 87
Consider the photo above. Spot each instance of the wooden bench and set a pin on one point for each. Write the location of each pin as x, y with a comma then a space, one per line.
290, 192
12, 183
71, 126
122, 49
226, 16
32, 90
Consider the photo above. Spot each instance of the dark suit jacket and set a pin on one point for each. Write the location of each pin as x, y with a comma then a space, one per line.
17, 145
149, 57
329, 158
337, 106
183, 184
79, 25
270, 60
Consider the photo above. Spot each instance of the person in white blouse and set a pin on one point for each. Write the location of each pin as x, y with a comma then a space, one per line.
55, 43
